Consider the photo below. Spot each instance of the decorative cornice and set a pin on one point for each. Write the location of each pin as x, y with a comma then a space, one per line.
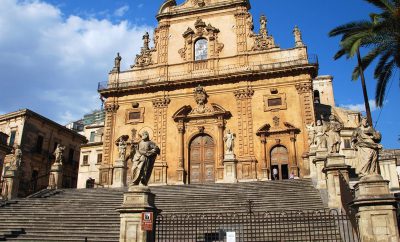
244, 93
161, 102
303, 88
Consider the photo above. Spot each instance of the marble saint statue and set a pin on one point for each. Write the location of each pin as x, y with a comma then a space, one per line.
334, 140
16, 162
143, 160
229, 142
365, 140
58, 153
320, 135
311, 134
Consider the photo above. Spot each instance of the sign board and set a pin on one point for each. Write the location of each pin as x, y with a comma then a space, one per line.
147, 221
230, 236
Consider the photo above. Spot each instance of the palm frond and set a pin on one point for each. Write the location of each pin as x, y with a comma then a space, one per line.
366, 61
384, 5
381, 64
350, 28
383, 80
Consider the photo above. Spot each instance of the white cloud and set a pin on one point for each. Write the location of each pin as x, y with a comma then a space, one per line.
360, 107
52, 63
121, 11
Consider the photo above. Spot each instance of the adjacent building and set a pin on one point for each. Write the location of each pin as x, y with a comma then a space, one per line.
38, 137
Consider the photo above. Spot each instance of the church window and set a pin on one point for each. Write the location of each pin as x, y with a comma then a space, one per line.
275, 102
200, 50
135, 115
12, 138
85, 160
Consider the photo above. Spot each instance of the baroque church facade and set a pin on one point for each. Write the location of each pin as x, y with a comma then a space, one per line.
208, 72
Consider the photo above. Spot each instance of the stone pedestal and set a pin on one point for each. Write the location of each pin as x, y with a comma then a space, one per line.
11, 184
335, 164
313, 170
319, 163
265, 174
181, 176
388, 172
119, 174
376, 210
230, 170
56, 176
137, 200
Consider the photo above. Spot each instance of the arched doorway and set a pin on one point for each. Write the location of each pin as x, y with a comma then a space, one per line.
280, 162
202, 160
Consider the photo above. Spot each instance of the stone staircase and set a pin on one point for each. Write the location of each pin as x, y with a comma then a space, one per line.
73, 215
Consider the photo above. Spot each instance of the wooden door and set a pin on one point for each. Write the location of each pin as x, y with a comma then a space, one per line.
280, 160
202, 160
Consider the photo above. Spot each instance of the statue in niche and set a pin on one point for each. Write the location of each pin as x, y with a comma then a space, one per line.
17, 159
58, 153
311, 134
122, 145
320, 135
334, 140
365, 140
143, 160
200, 97
229, 142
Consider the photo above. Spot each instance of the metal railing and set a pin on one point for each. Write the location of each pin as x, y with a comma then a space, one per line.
320, 225
204, 73
347, 196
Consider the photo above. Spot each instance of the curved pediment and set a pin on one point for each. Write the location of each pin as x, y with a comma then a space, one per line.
171, 6
211, 110
285, 127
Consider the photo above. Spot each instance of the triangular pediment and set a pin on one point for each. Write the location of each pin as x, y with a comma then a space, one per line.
211, 110
285, 127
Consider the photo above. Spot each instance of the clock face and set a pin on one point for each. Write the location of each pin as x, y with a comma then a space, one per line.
200, 49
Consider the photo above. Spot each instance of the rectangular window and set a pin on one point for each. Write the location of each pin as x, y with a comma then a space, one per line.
275, 102
12, 138
39, 144
92, 136
134, 115
347, 144
85, 160
99, 158
71, 155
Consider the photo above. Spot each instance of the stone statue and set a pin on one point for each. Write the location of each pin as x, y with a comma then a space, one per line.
117, 63
122, 148
146, 41
17, 159
263, 26
200, 97
297, 37
58, 153
334, 140
320, 135
365, 140
229, 142
143, 160
311, 134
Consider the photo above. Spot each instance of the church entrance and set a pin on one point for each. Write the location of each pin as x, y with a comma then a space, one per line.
202, 160
280, 163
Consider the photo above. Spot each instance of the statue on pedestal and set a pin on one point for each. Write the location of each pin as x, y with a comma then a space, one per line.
122, 148
334, 140
320, 135
143, 160
58, 153
229, 142
17, 159
365, 140
311, 134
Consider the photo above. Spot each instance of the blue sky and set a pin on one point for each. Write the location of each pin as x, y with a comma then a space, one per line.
54, 52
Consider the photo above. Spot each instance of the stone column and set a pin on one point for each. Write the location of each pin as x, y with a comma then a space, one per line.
137, 200
335, 165
266, 169
294, 167
11, 184
119, 173
376, 210
319, 163
56, 176
221, 170
181, 170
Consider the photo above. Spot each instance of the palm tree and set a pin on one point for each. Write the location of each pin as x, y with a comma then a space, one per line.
381, 35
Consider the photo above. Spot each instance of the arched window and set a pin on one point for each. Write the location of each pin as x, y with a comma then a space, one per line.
200, 50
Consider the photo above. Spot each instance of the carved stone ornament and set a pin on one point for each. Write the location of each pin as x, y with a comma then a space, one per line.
199, 3
297, 37
144, 58
117, 64
244, 93
111, 107
303, 88
201, 97
263, 41
202, 30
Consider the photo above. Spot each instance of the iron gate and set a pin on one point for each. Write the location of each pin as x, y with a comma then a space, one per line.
321, 225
